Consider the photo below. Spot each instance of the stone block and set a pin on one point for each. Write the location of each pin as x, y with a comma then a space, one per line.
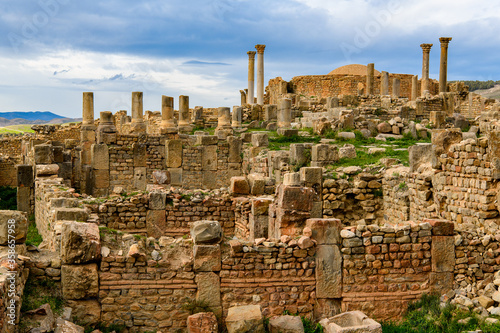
328, 272
202, 322
239, 185
71, 214
325, 231
443, 254
44, 170
441, 227
100, 157
326, 308
140, 178
312, 177
24, 199
140, 154
352, 321
25, 175
207, 258
257, 184
420, 154
43, 154
157, 200
206, 140
101, 178
80, 242
79, 281
347, 151
258, 226
86, 312
206, 232
209, 158
210, 180
156, 223
286, 324
235, 152
260, 206
208, 292
295, 198
18, 223
299, 154
270, 112
57, 152
288, 132
246, 318
175, 176
324, 153
441, 282
64, 326
260, 139
173, 153
65, 170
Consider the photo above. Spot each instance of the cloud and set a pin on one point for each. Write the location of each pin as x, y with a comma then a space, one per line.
205, 63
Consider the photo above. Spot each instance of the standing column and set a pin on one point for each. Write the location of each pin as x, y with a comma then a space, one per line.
284, 113
88, 109
183, 111
167, 115
138, 125
384, 84
260, 73
414, 87
396, 88
426, 49
370, 72
236, 116
243, 97
443, 69
251, 77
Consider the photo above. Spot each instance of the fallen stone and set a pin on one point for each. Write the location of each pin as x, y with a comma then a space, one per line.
203, 322
206, 232
286, 324
242, 319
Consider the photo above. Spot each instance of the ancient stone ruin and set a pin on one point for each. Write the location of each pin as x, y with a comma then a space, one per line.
198, 219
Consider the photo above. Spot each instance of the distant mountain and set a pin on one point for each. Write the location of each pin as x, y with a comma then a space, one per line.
32, 115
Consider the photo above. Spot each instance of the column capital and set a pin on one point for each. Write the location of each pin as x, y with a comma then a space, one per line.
426, 47
251, 54
260, 48
444, 41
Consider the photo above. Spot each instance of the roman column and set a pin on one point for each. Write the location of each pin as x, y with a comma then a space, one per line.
183, 111
285, 113
426, 49
236, 116
396, 88
138, 125
167, 115
251, 77
414, 87
260, 73
384, 84
370, 72
88, 109
443, 69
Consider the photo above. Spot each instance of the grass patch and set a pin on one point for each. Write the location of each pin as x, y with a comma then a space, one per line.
38, 292
427, 316
8, 198
281, 142
33, 237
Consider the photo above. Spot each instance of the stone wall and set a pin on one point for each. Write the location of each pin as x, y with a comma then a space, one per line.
322, 86
385, 268
8, 174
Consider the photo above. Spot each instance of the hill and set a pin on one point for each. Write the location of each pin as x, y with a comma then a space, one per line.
31, 115
493, 92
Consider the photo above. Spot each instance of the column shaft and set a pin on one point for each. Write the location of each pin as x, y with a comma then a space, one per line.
260, 73
251, 77
443, 69
370, 72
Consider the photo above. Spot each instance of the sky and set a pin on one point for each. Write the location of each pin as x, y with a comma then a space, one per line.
53, 50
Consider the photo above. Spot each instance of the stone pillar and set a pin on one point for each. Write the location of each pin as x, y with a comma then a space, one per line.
426, 49
88, 108
384, 84
243, 97
197, 117
285, 113
167, 115
414, 87
370, 73
223, 129
106, 131
183, 111
260, 73
138, 125
396, 88
25, 187
237, 116
443, 68
87, 138
251, 77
